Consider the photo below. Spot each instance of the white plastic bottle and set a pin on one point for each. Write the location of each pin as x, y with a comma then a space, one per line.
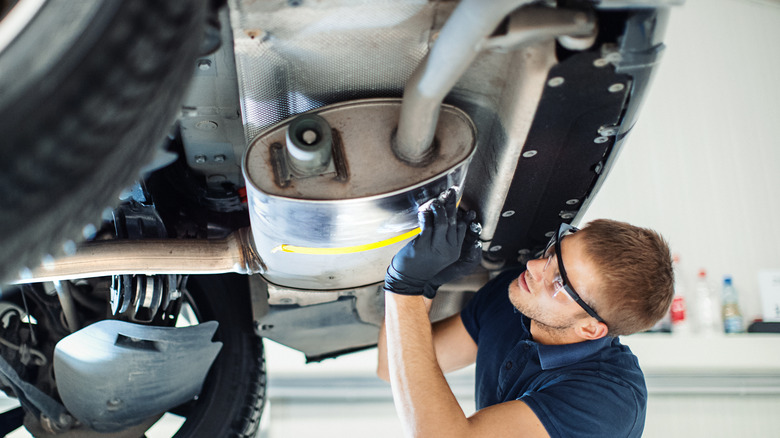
708, 320
732, 318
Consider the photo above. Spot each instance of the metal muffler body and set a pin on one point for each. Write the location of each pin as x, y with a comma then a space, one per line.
338, 224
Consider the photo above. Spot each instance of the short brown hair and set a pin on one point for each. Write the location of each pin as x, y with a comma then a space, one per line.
637, 279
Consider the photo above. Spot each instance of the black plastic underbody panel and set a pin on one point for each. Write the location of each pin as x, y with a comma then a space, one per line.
570, 154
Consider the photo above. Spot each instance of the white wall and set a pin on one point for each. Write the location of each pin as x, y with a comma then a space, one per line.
702, 165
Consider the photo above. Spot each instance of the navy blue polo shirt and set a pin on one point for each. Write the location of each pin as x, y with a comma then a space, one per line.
588, 389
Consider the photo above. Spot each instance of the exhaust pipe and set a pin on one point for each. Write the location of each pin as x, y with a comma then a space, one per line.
234, 253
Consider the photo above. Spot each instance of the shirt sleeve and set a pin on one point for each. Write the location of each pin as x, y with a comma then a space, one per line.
587, 405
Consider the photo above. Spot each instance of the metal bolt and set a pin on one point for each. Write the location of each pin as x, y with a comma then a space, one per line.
69, 247
566, 215
555, 82
572, 201
600, 140
47, 261
529, 154
310, 136
207, 125
495, 248
200, 159
25, 273
204, 64
113, 404
508, 213
615, 88
601, 62
219, 158
549, 234
89, 231
608, 131
108, 214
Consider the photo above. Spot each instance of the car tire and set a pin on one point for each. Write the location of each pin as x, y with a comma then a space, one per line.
233, 396
88, 91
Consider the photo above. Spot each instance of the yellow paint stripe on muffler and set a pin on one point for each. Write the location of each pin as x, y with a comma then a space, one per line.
347, 249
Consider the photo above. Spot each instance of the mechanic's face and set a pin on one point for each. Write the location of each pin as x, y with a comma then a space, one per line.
534, 294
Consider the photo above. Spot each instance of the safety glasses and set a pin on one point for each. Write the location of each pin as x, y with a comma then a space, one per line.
561, 282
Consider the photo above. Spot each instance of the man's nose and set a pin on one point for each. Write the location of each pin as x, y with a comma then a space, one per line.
536, 268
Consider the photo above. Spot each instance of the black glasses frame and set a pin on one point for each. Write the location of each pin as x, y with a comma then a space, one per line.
555, 241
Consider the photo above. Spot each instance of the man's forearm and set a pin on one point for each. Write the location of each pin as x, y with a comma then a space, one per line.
422, 396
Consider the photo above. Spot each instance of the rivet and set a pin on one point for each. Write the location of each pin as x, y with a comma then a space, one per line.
608, 131
600, 140
549, 234
572, 201
566, 215
88, 231
25, 273
495, 248
529, 154
207, 125
48, 262
107, 214
508, 213
615, 88
204, 64
555, 82
69, 247
601, 62
219, 158
200, 159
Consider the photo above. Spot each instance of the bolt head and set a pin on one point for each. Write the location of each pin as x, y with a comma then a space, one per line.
600, 140
206, 125
616, 88
495, 248
508, 213
200, 159
529, 154
555, 82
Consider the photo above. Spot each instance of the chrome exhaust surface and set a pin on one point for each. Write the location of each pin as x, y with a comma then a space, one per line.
234, 253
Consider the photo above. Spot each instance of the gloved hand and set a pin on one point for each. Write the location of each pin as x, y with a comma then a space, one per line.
437, 247
470, 256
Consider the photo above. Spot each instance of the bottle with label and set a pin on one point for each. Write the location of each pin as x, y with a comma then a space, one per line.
681, 324
707, 307
732, 318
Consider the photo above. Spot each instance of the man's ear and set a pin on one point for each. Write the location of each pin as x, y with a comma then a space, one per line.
590, 329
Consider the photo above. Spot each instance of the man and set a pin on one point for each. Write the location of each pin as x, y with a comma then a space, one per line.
544, 339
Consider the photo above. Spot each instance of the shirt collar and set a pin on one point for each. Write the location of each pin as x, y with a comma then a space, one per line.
556, 356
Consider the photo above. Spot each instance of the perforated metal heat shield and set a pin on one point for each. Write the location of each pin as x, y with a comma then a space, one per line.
292, 59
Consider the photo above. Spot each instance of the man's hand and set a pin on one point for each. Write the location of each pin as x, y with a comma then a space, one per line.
437, 247
470, 256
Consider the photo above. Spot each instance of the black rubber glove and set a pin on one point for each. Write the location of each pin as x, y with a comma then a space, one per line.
470, 256
437, 247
